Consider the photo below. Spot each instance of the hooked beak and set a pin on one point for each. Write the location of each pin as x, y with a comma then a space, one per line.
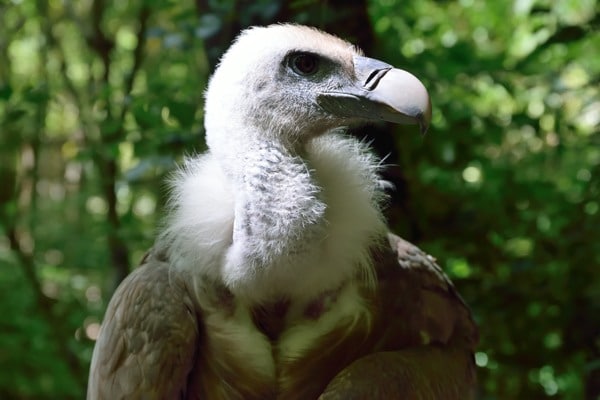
381, 92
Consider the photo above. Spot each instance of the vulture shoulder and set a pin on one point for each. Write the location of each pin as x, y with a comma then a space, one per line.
148, 339
427, 335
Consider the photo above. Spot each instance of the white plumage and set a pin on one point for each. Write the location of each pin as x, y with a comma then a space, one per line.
313, 220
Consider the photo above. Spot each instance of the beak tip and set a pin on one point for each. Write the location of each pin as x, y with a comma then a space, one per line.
423, 126
407, 96
424, 118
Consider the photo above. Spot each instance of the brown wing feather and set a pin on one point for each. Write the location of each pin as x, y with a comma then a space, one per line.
419, 304
423, 373
426, 335
148, 339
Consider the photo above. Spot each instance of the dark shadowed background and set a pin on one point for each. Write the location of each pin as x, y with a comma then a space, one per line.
100, 99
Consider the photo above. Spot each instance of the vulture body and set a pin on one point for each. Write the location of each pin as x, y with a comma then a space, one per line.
274, 276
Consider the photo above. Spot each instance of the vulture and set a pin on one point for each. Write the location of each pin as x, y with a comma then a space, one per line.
274, 275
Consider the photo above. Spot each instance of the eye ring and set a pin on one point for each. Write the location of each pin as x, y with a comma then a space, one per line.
304, 64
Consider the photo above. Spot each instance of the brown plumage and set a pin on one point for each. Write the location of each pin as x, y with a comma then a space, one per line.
273, 278
420, 345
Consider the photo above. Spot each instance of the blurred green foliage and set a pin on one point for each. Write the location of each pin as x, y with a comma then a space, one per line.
99, 99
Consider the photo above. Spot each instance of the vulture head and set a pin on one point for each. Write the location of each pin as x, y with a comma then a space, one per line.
273, 275
289, 83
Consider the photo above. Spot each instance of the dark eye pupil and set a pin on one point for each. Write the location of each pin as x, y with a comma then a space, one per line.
306, 63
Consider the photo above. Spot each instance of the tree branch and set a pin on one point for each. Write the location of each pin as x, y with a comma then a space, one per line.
45, 306
107, 163
565, 35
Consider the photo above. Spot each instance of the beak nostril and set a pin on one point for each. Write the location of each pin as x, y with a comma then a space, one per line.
374, 78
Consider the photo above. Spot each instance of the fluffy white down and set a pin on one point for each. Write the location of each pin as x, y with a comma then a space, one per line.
199, 230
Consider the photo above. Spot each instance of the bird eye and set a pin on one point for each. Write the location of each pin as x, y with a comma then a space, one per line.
304, 63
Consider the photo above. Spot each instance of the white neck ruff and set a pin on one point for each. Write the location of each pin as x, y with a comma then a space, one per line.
268, 236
